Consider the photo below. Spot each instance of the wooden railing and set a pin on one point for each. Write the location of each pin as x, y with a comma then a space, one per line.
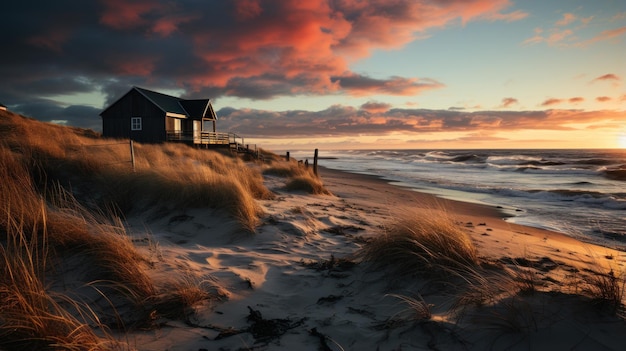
205, 138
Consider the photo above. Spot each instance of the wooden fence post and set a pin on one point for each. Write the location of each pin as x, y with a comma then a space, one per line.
315, 162
132, 154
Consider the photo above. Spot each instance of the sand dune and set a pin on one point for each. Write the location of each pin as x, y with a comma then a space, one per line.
295, 283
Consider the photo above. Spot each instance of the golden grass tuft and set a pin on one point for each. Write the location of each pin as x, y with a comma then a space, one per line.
285, 169
426, 243
300, 178
307, 183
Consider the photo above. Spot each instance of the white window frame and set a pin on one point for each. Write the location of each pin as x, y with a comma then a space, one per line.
136, 123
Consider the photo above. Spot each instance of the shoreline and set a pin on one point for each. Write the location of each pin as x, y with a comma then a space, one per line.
487, 224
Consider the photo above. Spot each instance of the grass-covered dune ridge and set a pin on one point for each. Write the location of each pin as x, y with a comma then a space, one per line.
100, 173
61, 193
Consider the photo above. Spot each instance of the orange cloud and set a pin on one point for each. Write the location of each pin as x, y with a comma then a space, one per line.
603, 99
261, 48
576, 100
375, 107
347, 121
507, 102
295, 46
607, 77
550, 102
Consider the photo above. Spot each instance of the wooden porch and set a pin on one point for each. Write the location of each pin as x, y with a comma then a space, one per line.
207, 139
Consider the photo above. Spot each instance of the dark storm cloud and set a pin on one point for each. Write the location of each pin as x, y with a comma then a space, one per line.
246, 48
74, 115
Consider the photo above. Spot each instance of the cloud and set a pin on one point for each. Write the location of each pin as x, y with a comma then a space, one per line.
346, 121
375, 107
550, 102
49, 111
576, 100
258, 49
567, 32
607, 77
508, 102
567, 19
603, 99
605, 35
362, 85
556, 37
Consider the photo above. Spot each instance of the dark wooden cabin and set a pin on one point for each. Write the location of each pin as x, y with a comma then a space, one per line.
151, 117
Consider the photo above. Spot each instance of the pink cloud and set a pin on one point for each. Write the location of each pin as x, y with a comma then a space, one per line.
508, 102
550, 102
315, 40
606, 35
294, 46
509, 17
567, 19
556, 36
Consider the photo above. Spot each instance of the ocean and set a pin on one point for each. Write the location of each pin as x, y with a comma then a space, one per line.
581, 193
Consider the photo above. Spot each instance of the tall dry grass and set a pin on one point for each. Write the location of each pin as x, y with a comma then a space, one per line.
55, 180
426, 242
299, 177
31, 315
99, 171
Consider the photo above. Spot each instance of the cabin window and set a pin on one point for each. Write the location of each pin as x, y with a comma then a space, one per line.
135, 123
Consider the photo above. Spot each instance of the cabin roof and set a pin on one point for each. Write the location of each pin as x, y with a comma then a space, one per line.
198, 108
166, 103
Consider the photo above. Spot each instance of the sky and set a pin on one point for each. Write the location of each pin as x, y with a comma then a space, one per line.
334, 74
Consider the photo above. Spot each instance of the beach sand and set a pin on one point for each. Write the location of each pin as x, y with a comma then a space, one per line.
294, 284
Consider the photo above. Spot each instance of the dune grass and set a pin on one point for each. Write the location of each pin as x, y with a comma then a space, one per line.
31, 316
427, 243
99, 174
607, 289
55, 181
299, 177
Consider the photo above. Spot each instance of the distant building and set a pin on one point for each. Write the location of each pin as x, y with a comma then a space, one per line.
151, 117
2, 107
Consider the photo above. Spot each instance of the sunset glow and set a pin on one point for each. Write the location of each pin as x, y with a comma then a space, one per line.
335, 74
621, 140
